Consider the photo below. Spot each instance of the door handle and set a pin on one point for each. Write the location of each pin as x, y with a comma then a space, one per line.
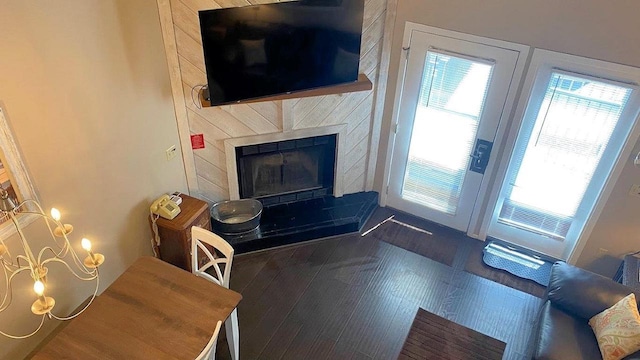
480, 156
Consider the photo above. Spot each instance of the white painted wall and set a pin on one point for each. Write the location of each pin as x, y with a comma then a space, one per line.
86, 87
597, 29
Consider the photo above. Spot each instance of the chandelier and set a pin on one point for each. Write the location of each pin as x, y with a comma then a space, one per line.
59, 252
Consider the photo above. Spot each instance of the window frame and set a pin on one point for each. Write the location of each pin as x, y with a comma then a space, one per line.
538, 74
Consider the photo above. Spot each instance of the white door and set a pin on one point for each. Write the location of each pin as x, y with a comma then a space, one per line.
576, 120
453, 94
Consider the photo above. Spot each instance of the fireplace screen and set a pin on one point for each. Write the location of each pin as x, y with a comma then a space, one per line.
287, 170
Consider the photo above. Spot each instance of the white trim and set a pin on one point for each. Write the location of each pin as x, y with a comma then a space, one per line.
381, 84
178, 98
230, 146
488, 186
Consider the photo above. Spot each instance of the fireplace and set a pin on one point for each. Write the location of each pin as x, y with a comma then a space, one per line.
286, 171
298, 176
287, 166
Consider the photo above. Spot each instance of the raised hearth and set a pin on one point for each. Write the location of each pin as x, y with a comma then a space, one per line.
298, 221
298, 176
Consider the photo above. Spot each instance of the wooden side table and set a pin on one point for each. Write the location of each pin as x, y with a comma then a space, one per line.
175, 234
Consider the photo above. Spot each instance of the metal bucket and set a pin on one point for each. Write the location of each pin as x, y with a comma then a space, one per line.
236, 216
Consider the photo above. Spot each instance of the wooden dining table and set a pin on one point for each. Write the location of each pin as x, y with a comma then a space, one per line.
154, 310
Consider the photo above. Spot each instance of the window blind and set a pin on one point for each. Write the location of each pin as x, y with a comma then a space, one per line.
452, 93
556, 163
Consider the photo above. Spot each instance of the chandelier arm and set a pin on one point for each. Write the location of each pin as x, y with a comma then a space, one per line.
79, 263
93, 274
31, 259
95, 292
27, 212
9, 265
63, 247
47, 218
66, 247
24, 336
33, 202
22, 257
53, 252
9, 294
8, 253
82, 268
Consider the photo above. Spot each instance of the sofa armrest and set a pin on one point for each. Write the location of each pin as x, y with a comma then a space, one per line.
581, 292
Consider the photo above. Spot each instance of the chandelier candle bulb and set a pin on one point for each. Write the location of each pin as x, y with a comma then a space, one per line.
86, 245
44, 304
55, 214
38, 287
93, 260
61, 230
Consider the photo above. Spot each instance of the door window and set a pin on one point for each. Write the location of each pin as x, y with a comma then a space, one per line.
576, 118
455, 92
447, 114
570, 133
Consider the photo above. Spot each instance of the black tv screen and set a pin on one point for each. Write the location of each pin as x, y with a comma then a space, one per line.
264, 50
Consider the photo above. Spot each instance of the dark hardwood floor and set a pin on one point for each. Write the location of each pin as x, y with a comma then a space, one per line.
353, 297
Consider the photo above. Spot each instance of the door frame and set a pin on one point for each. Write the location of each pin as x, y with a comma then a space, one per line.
551, 59
487, 186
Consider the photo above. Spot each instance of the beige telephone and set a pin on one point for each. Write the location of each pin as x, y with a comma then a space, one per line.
165, 207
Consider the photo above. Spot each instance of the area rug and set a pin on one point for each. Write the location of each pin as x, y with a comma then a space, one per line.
434, 337
416, 240
517, 263
475, 265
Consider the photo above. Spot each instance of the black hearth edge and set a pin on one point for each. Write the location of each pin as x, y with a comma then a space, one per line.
311, 219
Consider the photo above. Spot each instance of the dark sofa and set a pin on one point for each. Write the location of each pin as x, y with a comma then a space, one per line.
574, 296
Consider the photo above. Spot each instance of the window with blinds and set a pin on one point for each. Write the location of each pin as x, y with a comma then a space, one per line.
553, 169
452, 94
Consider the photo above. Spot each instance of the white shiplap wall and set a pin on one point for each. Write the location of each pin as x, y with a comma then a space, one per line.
206, 168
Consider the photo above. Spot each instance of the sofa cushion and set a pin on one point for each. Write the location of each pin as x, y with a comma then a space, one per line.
564, 337
583, 293
618, 329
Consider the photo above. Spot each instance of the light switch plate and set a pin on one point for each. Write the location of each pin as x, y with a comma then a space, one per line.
171, 152
635, 190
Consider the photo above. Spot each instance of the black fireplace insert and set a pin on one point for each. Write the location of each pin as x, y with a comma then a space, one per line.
287, 171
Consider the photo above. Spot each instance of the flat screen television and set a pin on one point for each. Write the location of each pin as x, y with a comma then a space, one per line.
264, 50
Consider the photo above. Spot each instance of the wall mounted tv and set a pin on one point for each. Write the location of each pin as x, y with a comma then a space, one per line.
264, 50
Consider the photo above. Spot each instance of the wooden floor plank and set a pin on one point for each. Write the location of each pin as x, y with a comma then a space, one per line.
353, 297
314, 310
397, 330
284, 291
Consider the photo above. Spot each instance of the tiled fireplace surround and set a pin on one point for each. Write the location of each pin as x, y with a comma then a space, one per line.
305, 217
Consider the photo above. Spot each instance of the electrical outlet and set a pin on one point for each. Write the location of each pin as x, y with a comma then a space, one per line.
635, 190
171, 152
